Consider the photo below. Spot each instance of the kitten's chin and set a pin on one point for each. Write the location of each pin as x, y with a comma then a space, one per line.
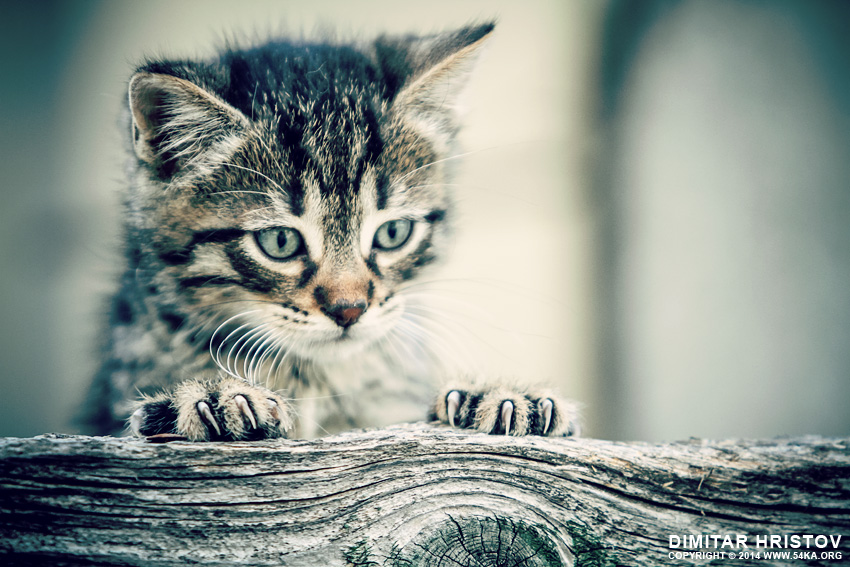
339, 347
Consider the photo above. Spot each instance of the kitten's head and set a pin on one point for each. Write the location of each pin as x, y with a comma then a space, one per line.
294, 189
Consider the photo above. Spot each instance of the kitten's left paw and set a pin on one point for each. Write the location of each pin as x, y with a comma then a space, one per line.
508, 411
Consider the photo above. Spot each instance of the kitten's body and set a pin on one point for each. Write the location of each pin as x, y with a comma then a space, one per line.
281, 200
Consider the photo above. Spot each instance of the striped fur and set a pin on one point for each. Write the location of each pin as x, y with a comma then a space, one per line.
331, 141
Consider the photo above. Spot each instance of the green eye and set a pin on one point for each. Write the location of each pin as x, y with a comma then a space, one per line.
392, 234
280, 243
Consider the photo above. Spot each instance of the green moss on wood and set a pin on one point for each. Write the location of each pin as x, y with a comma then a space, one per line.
588, 549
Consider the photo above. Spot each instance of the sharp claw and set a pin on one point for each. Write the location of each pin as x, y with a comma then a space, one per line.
245, 408
207, 416
452, 404
275, 409
136, 421
507, 413
546, 407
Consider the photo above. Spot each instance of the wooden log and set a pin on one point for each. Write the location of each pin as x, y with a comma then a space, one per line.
420, 494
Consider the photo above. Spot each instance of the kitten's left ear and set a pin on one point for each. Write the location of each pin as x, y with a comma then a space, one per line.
440, 67
176, 121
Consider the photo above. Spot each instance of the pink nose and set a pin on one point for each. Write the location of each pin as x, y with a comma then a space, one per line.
345, 313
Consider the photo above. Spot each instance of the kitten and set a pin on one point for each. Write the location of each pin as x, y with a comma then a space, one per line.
281, 199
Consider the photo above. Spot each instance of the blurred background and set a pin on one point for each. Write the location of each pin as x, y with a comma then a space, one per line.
655, 207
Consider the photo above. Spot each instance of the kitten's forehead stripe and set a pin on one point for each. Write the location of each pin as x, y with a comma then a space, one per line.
382, 191
292, 158
324, 103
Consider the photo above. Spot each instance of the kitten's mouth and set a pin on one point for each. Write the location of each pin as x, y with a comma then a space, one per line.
355, 336
343, 344
349, 335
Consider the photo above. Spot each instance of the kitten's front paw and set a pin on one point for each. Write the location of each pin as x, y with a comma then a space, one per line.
224, 409
508, 411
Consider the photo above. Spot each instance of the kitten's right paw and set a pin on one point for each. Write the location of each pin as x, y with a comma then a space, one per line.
497, 409
225, 409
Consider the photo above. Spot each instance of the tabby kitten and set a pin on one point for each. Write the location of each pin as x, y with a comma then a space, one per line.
281, 200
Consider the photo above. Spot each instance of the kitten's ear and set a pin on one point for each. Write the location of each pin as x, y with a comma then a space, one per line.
439, 68
176, 122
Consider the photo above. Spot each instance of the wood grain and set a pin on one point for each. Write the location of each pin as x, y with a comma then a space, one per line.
410, 495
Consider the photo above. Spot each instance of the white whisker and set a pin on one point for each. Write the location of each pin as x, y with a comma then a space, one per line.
404, 177
274, 364
257, 335
443, 352
241, 192
245, 339
217, 356
226, 366
261, 353
396, 354
250, 170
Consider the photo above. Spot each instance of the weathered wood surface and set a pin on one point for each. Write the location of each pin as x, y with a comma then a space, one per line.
411, 495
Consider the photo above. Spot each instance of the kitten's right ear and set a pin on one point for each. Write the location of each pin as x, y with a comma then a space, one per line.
437, 68
176, 122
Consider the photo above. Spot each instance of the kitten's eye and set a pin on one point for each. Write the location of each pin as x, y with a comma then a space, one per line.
280, 243
393, 234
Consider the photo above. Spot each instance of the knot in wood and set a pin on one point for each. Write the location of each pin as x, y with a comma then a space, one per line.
482, 541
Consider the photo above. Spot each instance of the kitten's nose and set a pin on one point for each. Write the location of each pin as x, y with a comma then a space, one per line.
346, 313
